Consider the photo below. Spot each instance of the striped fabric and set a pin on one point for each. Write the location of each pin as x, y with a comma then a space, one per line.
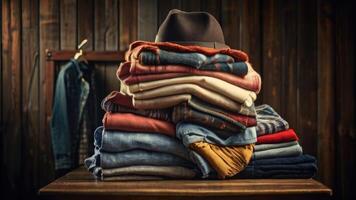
269, 121
161, 114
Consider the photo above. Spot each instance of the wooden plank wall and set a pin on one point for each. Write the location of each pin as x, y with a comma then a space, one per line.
304, 51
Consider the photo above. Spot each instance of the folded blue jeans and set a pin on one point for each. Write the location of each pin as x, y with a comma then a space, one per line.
191, 133
120, 141
107, 160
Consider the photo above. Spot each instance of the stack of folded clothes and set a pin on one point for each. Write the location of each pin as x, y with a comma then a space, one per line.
187, 111
190, 107
277, 153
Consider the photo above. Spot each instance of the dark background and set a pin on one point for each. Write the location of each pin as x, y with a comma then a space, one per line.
304, 51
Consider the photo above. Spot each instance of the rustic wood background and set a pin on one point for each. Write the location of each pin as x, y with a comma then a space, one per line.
304, 50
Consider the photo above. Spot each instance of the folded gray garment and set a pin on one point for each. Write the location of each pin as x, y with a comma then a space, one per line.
120, 141
288, 151
132, 178
263, 147
134, 157
176, 172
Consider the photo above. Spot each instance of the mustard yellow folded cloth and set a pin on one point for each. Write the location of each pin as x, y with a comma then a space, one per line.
227, 160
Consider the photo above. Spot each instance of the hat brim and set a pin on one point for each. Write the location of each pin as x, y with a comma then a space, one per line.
215, 45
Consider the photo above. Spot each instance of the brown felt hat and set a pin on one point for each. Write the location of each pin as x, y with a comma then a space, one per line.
191, 28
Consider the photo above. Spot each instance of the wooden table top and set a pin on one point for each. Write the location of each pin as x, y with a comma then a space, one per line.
81, 182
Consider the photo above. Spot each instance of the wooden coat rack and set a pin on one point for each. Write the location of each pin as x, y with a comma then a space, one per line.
53, 57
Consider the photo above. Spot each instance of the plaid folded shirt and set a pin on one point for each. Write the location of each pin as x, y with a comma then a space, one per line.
269, 121
184, 113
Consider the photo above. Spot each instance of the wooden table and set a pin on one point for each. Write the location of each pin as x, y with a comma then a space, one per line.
79, 184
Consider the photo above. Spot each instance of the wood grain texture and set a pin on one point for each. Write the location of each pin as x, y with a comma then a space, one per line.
12, 115
271, 54
49, 39
68, 24
99, 45
112, 13
288, 61
326, 81
231, 22
191, 5
30, 95
147, 20
85, 23
345, 102
80, 182
307, 76
128, 23
1, 95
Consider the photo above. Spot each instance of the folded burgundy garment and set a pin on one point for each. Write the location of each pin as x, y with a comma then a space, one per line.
279, 137
136, 123
133, 72
115, 103
138, 46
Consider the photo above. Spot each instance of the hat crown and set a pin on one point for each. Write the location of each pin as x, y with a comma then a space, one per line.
199, 28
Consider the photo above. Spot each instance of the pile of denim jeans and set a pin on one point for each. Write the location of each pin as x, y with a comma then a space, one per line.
182, 112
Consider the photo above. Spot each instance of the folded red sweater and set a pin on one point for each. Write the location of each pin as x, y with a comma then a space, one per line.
135, 123
279, 137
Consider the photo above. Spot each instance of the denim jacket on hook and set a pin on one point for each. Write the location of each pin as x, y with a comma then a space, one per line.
72, 93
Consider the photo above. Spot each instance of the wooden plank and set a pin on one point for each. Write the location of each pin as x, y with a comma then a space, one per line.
81, 182
307, 76
128, 23
147, 20
99, 45
271, 54
326, 81
86, 23
1, 98
11, 75
191, 5
288, 61
345, 101
112, 11
68, 24
49, 39
213, 7
251, 36
231, 22
164, 6
30, 96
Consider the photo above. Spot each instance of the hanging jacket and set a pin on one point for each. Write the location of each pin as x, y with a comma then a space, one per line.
75, 98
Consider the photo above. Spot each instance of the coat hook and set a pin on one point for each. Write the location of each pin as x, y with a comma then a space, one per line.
84, 42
